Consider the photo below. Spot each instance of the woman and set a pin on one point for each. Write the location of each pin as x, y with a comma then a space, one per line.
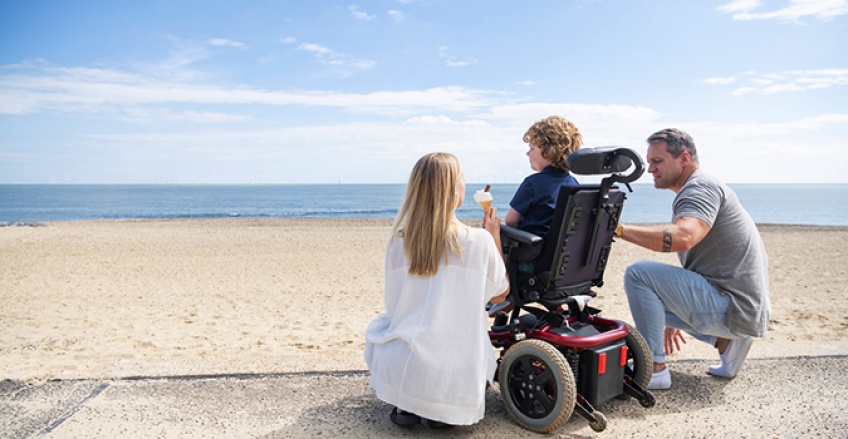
429, 353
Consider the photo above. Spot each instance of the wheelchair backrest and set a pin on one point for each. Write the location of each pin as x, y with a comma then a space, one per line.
578, 244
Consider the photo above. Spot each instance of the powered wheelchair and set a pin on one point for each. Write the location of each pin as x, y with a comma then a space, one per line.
563, 357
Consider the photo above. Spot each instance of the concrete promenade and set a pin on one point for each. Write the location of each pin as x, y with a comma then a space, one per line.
776, 398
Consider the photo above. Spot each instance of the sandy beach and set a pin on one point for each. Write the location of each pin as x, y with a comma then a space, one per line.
118, 299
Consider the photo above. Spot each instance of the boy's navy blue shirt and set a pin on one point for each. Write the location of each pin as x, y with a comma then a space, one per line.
536, 197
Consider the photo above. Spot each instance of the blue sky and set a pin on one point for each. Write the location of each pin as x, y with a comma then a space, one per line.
171, 91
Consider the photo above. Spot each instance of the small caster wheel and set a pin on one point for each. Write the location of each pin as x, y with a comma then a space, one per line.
649, 401
598, 422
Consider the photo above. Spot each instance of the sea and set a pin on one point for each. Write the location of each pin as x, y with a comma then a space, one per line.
799, 204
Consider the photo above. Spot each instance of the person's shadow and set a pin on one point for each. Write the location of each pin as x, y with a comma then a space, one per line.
363, 415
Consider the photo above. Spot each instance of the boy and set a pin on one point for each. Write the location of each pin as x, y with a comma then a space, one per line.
551, 140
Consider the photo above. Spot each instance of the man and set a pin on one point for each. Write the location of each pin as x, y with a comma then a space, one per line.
720, 295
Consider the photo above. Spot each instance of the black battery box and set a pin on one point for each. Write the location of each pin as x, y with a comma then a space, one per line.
601, 372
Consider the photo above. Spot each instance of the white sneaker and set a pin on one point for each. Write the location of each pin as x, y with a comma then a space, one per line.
733, 358
660, 380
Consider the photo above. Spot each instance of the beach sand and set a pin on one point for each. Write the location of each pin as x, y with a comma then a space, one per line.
117, 299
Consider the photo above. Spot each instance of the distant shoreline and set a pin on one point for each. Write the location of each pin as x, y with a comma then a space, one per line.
821, 205
468, 183
371, 222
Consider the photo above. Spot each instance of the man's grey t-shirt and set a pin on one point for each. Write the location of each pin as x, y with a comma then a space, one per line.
731, 256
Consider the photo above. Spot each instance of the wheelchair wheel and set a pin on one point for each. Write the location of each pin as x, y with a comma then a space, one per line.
640, 364
537, 386
598, 422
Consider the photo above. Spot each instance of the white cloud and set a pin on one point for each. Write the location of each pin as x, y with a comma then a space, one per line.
396, 15
528, 83
182, 54
789, 81
741, 91
574, 112
346, 64
795, 11
809, 149
740, 5
489, 145
152, 115
227, 43
289, 40
719, 80
483, 127
319, 50
453, 61
444, 120
381, 130
37, 87
461, 63
360, 15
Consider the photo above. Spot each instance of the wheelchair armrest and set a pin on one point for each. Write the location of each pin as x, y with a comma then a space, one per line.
524, 246
520, 236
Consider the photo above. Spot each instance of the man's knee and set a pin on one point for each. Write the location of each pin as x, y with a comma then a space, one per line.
636, 274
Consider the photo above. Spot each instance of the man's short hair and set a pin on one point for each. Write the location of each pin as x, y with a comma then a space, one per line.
676, 141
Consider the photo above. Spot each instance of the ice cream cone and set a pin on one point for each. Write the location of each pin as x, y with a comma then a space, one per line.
484, 198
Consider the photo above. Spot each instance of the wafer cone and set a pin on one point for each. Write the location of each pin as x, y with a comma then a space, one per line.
484, 198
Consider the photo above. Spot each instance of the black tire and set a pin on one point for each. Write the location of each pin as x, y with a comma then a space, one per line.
640, 363
537, 386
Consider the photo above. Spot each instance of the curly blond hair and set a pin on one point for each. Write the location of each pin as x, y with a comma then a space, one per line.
556, 137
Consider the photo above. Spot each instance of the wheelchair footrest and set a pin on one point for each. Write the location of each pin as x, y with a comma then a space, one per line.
576, 329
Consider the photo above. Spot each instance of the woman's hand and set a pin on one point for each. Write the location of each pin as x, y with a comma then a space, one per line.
492, 223
500, 298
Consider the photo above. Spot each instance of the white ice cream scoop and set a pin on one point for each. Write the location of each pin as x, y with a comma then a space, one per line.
484, 198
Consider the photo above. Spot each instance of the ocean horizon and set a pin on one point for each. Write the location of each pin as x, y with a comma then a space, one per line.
794, 204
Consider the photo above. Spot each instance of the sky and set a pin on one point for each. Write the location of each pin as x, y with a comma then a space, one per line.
222, 92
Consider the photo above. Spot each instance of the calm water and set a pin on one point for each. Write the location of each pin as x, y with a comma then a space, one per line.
768, 204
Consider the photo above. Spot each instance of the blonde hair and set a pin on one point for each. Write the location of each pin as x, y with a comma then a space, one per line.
426, 220
556, 137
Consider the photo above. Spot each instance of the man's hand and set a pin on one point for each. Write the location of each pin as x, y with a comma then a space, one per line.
673, 337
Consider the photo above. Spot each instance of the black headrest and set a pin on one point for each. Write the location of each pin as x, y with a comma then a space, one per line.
606, 160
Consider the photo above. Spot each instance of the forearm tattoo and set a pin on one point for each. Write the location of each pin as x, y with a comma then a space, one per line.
666, 247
